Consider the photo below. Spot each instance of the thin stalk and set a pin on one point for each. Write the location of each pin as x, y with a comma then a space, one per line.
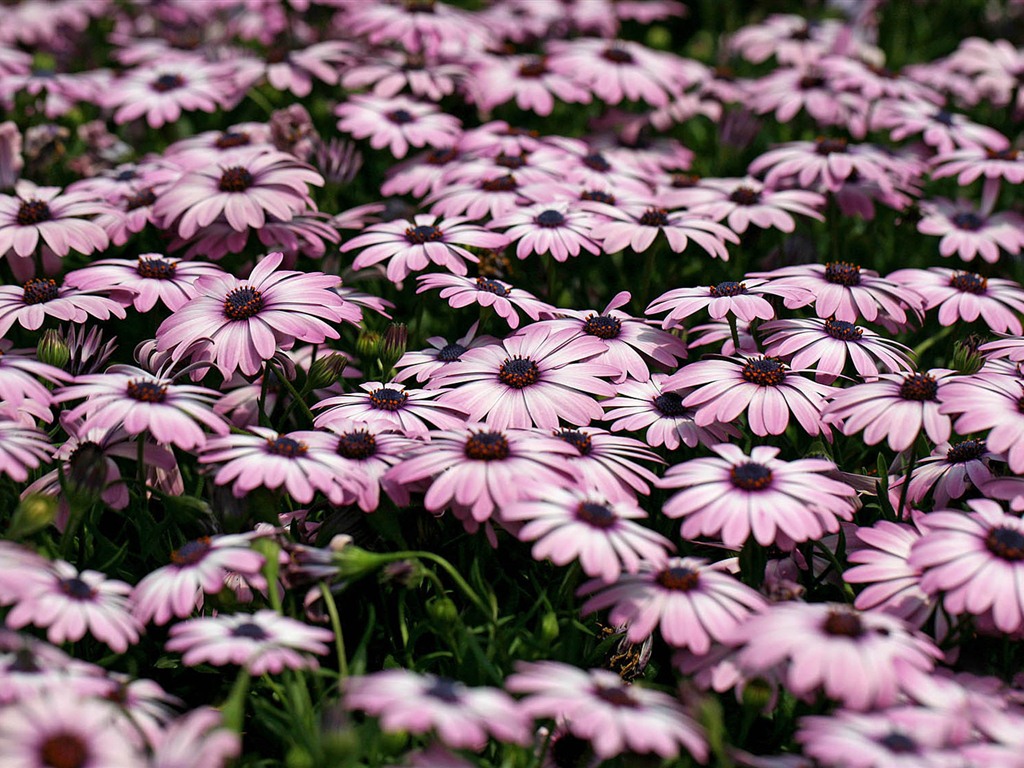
339, 638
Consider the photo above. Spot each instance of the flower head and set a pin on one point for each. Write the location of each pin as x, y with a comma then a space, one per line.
487, 292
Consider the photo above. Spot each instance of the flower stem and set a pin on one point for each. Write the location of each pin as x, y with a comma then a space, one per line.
339, 638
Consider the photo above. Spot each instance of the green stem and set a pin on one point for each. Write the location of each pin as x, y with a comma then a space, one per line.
295, 394
234, 707
456, 577
847, 589
906, 480
339, 638
735, 331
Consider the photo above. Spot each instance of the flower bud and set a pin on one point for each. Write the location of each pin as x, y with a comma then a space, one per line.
368, 345
53, 350
396, 339
35, 512
548, 629
443, 611
966, 357
327, 370
87, 474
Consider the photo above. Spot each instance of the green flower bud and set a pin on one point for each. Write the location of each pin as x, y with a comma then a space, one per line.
327, 370
53, 350
548, 630
396, 338
368, 345
443, 611
32, 514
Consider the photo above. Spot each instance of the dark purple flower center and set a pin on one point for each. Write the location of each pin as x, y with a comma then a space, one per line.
423, 234
579, 440
512, 162
596, 515
684, 180
140, 199
156, 269
518, 372
654, 217
678, 579
39, 290
843, 624
751, 476
445, 689
670, 404
809, 82
64, 749
602, 326
969, 282
765, 371
388, 399
357, 445
147, 391
825, 146
842, 273
77, 589
745, 196
534, 67
491, 286
943, 117
487, 446
501, 184
401, 117
1006, 543
617, 55
595, 161
617, 697
919, 386
598, 197
969, 221
191, 552
243, 302
1003, 154
441, 156
965, 450
550, 219
166, 83
33, 212
235, 179
842, 330
287, 447
728, 288
449, 353
250, 630
898, 743
568, 751
126, 175
230, 139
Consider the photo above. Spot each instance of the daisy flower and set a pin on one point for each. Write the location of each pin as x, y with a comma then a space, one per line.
746, 201
426, 28
557, 228
506, 299
463, 717
615, 717
950, 472
972, 163
788, 91
244, 189
734, 496
197, 567
20, 386
852, 656
263, 642
151, 278
605, 462
482, 469
763, 387
397, 123
746, 300
824, 346
196, 738
425, 362
239, 324
880, 555
363, 454
968, 232
40, 297
162, 91
388, 73
894, 406
392, 406
647, 404
573, 524
940, 129
966, 296
535, 378
989, 401
22, 449
493, 196
975, 560
529, 80
412, 245
827, 162
689, 602
69, 604
637, 225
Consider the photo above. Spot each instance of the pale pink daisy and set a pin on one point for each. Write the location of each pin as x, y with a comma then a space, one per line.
573, 524
529, 80
940, 129
852, 656
493, 197
991, 401
689, 602
397, 123
788, 91
968, 232
557, 228
950, 472
828, 162
972, 163
745, 300
793, 39
22, 449
151, 278
606, 462
412, 245
880, 554
392, 406
895, 406
263, 642
196, 739
162, 91
733, 496
428, 28
363, 453
39, 298
21, 381
461, 716
506, 299
387, 73
636, 225
425, 362
966, 296
534, 378
744, 201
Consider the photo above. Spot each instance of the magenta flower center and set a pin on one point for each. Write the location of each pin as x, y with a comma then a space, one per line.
898, 743
191, 552
287, 447
595, 161
357, 445
401, 117
250, 631
235, 179
1003, 154
535, 67
441, 156
617, 56
491, 286
751, 476
825, 146
579, 440
842, 330
919, 386
654, 217
596, 515
842, 273
156, 269
141, 199
842, 624
965, 450
77, 589
518, 372
678, 579
33, 212
147, 391
39, 290
602, 326
243, 302
549, 219
728, 288
487, 446
423, 234
670, 404
505, 183
230, 139
166, 83
765, 371
1006, 543
388, 399
969, 282
745, 196
449, 353
64, 750
598, 197
512, 162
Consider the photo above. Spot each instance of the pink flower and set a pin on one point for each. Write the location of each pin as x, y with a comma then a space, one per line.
151, 278
573, 524
746, 201
397, 123
487, 292
23, 448
363, 454
894, 406
787, 91
262, 642
411, 245
637, 226
40, 298
535, 378
939, 128
20, 387
689, 602
746, 300
828, 162
972, 163
462, 717
966, 296
424, 363
529, 80
792, 39
605, 462
162, 91
391, 406
881, 554
967, 232
989, 401
494, 196
427, 29
949, 472
387, 73
736, 496
557, 228
194, 739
